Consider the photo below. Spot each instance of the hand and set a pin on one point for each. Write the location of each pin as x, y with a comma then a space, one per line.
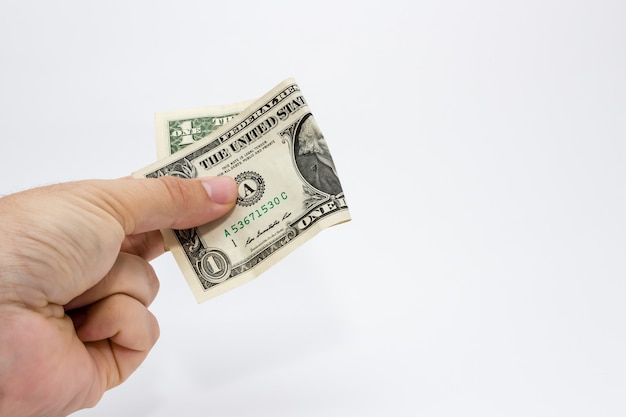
75, 283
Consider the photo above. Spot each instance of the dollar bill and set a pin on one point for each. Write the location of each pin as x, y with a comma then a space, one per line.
178, 129
289, 190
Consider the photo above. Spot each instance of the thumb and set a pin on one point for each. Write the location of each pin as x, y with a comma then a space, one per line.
67, 236
142, 205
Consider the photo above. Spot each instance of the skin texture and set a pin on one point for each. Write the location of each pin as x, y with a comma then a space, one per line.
76, 283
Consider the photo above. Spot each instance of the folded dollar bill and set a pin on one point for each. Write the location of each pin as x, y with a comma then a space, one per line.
178, 129
289, 189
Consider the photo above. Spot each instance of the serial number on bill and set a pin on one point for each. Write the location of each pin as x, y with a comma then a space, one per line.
255, 214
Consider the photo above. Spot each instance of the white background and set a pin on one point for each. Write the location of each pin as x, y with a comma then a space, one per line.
481, 146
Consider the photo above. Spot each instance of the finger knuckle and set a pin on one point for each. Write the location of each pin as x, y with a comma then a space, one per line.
179, 190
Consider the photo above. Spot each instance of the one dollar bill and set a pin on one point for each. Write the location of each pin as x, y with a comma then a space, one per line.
289, 189
178, 129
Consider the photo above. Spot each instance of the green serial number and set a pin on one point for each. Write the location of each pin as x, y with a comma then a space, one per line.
255, 214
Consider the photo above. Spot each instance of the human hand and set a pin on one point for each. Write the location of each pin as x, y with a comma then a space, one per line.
75, 283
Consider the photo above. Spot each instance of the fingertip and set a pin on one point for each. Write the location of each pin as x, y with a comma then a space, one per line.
221, 190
